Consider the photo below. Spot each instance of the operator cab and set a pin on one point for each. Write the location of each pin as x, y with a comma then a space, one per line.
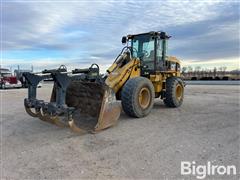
151, 49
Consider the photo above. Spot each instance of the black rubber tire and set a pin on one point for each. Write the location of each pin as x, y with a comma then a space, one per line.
3, 86
170, 95
130, 93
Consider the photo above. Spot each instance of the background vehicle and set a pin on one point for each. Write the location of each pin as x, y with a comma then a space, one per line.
86, 101
7, 80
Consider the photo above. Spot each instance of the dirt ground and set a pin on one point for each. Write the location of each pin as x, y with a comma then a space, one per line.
205, 128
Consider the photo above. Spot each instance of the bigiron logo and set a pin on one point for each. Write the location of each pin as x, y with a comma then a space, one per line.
201, 171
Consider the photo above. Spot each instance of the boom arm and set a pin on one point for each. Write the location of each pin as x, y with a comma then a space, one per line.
120, 73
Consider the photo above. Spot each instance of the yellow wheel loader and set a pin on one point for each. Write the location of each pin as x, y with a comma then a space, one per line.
87, 101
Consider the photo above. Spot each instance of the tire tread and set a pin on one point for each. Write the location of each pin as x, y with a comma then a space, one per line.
128, 99
170, 100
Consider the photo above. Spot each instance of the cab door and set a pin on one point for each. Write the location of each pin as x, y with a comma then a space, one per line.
148, 57
159, 55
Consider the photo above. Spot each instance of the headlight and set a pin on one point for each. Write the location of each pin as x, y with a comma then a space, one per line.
7, 83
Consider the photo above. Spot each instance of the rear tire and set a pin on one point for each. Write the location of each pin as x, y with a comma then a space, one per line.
174, 92
137, 97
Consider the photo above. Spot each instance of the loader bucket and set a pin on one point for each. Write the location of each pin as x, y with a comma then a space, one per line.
95, 106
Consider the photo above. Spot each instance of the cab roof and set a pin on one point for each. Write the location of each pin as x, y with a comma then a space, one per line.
163, 35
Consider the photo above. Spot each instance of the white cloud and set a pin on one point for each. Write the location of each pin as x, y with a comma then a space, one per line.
45, 20
95, 28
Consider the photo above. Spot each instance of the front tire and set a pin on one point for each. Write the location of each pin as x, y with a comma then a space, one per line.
174, 92
3, 86
137, 97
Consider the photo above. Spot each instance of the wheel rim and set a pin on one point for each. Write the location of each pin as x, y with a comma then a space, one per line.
144, 98
179, 92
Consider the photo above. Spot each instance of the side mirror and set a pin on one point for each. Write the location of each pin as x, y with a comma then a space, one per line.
162, 35
124, 40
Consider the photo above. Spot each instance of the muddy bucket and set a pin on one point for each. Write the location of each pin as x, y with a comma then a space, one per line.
95, 106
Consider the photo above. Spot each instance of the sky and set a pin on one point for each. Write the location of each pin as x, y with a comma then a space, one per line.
46, 34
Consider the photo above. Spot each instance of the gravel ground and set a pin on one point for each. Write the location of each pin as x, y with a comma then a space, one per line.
205, 128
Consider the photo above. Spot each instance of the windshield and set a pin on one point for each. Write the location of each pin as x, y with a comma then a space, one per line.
143, 47
6, 74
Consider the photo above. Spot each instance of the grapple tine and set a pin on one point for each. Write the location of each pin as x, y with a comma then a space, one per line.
30, 111
45, 117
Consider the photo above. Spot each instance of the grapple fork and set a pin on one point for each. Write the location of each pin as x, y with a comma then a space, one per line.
79, 99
